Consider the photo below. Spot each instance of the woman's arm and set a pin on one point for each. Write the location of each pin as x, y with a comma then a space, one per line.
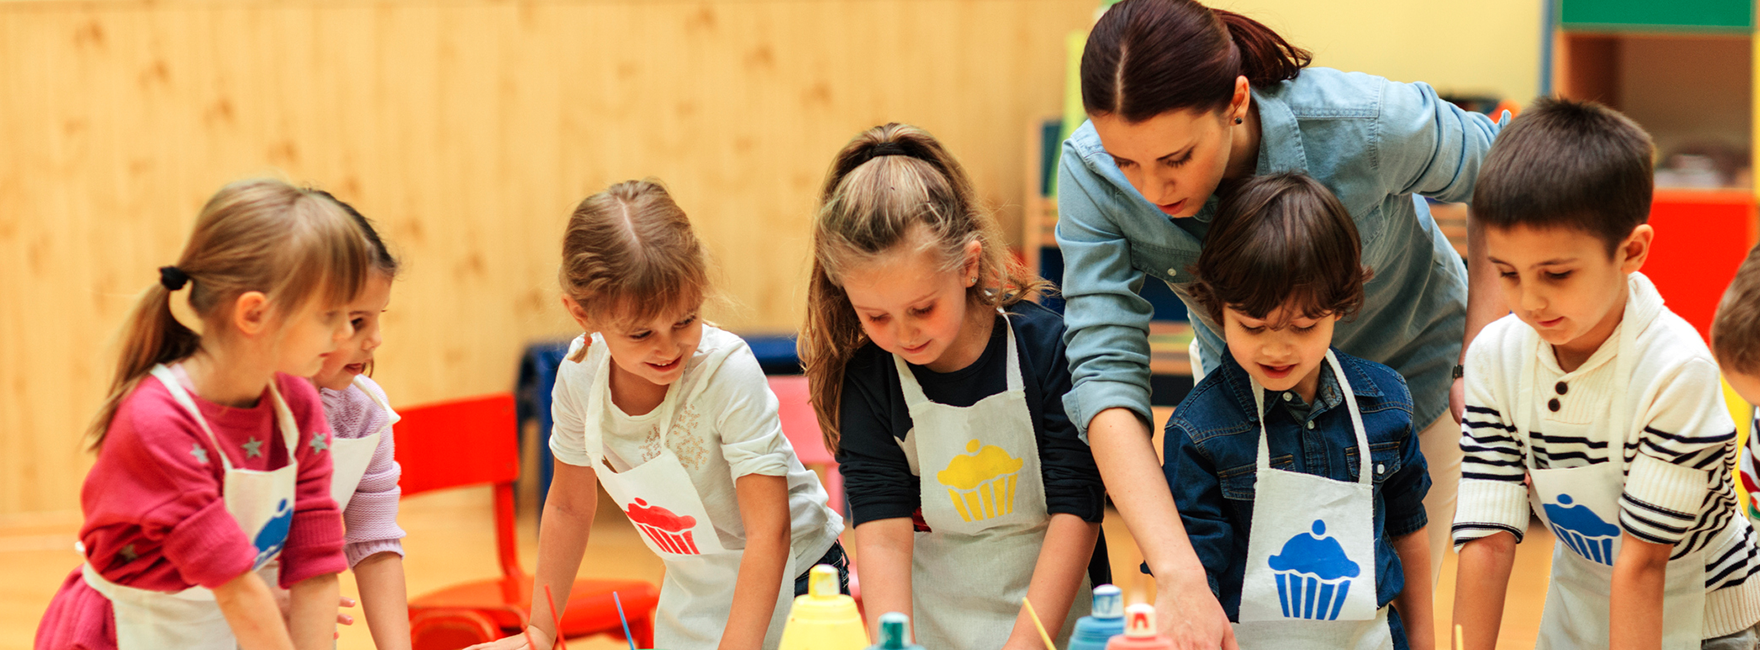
1417, 611
1638, 576
763, 509
1480, 586
311, 618
250, 610
384, 599
883, 558
562, 540
1185, 607
1057, 576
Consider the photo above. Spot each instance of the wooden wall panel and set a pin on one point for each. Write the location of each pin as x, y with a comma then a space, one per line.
468, 129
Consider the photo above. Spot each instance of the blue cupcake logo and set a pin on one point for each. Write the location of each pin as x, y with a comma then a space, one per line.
1313, 575
273, 536
1582, 530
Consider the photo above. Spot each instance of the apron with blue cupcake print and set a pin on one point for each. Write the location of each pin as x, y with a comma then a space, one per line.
262, 504
1580, 505
1310, 577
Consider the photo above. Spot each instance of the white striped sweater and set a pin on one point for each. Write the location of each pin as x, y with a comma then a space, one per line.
1678, 455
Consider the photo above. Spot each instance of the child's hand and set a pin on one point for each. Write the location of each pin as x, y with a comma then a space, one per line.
538, 637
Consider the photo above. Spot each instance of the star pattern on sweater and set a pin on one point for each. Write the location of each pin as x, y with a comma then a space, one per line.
200, 454
319, 443
253, 448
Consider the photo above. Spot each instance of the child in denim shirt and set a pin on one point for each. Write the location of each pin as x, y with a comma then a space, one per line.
1337, 538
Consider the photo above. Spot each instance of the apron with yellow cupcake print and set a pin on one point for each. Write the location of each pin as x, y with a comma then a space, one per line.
984, 501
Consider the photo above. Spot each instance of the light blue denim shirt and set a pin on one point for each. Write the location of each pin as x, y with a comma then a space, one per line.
1375, 143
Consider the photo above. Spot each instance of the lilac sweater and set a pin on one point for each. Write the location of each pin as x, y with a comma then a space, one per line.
370, 520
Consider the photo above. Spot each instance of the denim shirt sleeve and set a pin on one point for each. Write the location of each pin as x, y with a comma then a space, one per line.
1429, 146
1197, 493
1108, 335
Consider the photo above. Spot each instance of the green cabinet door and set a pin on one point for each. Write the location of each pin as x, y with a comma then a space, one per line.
1655, 15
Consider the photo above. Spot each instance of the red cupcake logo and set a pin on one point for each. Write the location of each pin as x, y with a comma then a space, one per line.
669, 531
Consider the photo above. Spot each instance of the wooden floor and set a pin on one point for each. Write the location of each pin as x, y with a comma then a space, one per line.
450, 540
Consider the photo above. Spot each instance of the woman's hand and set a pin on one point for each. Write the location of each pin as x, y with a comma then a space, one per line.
533, 638
1189, 614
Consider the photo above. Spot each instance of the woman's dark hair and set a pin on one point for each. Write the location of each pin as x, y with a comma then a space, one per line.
1279, 238
1148, 57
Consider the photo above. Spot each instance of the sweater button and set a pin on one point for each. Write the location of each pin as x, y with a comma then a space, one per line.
1553, 404
1562, 388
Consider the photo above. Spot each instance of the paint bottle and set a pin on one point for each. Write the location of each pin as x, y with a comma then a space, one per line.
1139, 631
895, 633
1106, 621
824, 619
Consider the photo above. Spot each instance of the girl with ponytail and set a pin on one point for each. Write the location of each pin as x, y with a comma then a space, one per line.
940, 388
212, 447
1184, 103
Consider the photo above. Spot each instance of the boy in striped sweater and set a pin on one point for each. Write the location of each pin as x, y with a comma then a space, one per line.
1597, 406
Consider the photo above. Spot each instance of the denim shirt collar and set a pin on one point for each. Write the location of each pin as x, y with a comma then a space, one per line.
1240, 386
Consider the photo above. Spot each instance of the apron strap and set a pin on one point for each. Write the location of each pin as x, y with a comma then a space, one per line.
600, 392
284, 418
163, 374
1350, 399
360, 382
913, 392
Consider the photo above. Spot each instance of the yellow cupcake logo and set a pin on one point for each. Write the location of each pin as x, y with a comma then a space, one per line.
981, 482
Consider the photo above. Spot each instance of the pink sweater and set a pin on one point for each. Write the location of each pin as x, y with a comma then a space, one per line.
371, 517
154, 515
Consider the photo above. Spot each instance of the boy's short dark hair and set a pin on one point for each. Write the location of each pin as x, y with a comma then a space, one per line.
1735, 331
1277, 238
1568, 164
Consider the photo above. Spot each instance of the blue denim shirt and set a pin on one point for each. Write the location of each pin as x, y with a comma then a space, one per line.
1212, 447
1375, 143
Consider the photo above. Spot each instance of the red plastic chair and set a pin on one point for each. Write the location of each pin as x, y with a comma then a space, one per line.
801, 426
473, 442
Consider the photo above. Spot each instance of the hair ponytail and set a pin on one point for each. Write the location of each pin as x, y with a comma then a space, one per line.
1148, 57
1265, 58
886, 182
293, 245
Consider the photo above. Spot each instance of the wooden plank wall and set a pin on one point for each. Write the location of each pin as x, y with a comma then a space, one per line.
468, 129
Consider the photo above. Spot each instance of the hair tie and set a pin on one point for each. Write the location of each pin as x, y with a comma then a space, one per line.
888, 148
172, 278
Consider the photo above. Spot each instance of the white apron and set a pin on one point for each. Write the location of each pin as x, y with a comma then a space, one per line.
261, 502
349, 457
1580, 505
1310, 576
983, 497
659, 498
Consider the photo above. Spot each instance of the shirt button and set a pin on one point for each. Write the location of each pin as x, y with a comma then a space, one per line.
1562, 388
1310, 425
1380, 468
1553, 404
1172, 272
1287, 397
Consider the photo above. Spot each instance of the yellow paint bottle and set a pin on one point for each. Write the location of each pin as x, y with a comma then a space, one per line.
824, 619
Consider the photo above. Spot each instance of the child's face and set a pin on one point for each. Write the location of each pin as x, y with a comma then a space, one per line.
909, 304
1563, 283
309, 337
1746, 385
1284, 358
655, 351
352, 357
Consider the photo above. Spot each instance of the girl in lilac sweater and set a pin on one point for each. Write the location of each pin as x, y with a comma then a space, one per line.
358, 410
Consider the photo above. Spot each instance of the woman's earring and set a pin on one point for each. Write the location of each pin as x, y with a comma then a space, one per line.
1237, 120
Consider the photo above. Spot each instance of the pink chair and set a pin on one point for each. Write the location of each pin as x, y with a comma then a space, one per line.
801, 426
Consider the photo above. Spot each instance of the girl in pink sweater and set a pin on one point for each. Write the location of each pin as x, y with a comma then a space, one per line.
213, 455
365, 479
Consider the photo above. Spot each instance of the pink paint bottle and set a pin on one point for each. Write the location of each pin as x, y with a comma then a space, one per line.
1139, 631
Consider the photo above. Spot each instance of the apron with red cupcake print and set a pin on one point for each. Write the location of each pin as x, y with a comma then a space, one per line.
984, 502
663, 504
1310, 578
